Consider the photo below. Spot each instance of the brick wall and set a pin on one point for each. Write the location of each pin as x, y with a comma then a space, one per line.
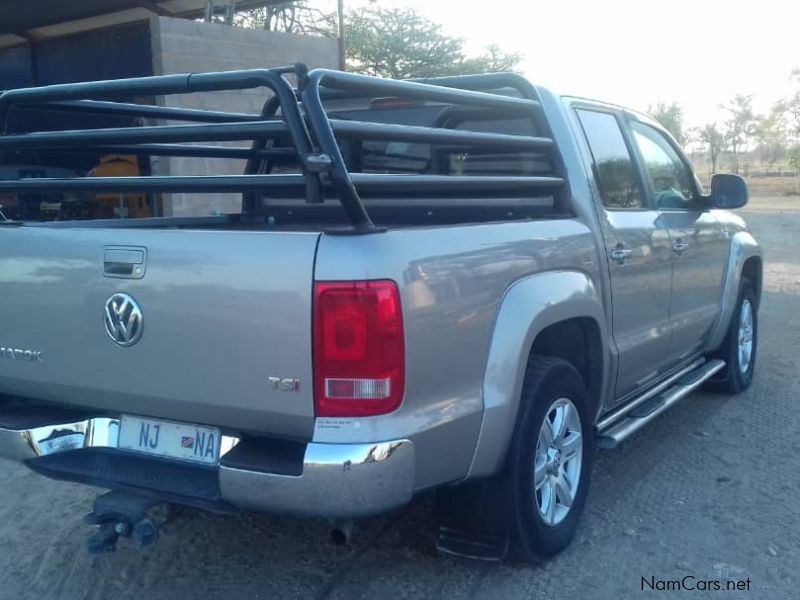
184, 46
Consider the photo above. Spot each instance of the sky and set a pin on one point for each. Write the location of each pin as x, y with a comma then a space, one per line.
636, 53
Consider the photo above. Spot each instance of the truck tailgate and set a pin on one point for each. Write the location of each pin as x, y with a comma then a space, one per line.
222, 313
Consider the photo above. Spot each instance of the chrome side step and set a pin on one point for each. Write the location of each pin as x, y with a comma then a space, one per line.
617, 414
614, 429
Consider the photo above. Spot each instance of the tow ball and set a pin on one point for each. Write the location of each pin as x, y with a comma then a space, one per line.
119, 515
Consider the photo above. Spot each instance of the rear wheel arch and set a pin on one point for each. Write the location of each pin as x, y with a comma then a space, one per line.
559, 341
534, 313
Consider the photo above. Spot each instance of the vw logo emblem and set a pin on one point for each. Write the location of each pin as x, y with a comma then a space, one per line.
124, 321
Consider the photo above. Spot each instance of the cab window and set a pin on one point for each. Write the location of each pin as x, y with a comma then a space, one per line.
668, 176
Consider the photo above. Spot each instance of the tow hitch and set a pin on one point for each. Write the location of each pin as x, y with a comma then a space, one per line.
117, 515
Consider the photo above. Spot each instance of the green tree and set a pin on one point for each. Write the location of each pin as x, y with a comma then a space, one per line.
771, 133
714, 138
401, 44
494, 60
291, 16
793, 161
793, 113
397, 43
792, 106
740, 126
671, 117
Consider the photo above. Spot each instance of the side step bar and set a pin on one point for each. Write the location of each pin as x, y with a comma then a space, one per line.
620, 425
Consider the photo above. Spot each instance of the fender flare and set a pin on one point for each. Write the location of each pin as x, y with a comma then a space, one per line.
528, 306
743, 247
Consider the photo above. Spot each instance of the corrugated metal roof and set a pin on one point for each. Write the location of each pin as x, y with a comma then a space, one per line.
23, 16
31, 20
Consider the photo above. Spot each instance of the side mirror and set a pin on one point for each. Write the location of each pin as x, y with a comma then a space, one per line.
728, 191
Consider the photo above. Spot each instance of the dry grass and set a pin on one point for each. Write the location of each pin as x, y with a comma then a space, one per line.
772, 195
761, 186
767, 203
771, 186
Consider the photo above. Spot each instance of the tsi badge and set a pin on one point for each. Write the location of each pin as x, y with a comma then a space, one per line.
284, 384
124, 321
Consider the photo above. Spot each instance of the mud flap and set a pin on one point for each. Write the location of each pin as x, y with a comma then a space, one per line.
473, 520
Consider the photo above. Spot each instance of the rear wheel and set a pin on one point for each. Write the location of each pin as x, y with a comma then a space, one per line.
738, 350
549, 461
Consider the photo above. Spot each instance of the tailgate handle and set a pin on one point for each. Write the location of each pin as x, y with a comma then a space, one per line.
125, 262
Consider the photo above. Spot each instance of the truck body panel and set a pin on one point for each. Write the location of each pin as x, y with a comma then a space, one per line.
452, 281
222, 312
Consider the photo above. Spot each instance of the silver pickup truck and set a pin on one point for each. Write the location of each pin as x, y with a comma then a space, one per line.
463, 284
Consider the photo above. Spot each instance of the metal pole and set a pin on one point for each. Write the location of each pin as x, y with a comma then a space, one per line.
230, 10
342, 60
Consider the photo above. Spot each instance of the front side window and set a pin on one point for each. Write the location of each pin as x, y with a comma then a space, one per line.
613, 167
670, 179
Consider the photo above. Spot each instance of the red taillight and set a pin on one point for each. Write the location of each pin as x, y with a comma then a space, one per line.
359, 357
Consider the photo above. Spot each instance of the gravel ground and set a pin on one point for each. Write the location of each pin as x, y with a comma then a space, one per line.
710, 490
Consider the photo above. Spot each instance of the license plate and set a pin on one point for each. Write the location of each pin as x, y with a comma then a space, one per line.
169, 439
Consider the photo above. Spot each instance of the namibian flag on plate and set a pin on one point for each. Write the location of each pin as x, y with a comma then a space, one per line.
170, 439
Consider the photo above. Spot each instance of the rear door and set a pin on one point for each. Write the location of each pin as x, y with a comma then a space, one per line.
638, 252
222, 313
697, 240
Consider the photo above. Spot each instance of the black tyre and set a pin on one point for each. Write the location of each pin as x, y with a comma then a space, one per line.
549, 460
738, 349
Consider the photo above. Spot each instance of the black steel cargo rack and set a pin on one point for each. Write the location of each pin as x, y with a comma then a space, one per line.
291, 113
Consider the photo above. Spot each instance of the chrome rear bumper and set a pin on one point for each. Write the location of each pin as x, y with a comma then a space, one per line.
335, 481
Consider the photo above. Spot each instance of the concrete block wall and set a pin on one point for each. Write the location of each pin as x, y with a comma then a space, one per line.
184, 46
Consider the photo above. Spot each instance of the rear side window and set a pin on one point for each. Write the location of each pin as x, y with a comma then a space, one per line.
391, 157
612, 163
394, 157
491, 162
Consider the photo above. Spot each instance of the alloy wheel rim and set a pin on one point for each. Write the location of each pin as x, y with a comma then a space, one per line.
557, 467
745, 336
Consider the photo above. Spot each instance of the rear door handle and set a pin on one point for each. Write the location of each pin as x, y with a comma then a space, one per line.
679, 247
620, 254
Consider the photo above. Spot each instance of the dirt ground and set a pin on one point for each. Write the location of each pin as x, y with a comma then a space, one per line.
709, 490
